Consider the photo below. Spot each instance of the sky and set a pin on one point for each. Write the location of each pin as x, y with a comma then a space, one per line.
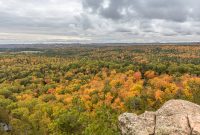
99, 21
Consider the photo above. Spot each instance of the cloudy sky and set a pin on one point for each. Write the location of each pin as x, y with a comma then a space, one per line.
88, 21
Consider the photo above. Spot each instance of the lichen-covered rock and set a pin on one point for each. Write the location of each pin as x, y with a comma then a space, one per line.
172, 125
143, 124
175, 117
194, 121
148, 121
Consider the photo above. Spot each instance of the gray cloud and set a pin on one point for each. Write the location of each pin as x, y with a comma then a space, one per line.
94, 5
170, 10
99, 20
121, 29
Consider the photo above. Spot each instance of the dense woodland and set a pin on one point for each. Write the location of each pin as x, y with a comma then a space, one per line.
83, 89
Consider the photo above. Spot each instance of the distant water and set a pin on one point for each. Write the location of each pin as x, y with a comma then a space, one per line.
30, 52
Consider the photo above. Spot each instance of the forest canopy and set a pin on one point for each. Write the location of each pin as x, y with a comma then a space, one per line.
83, 89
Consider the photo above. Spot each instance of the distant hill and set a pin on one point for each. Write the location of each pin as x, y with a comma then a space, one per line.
90, 44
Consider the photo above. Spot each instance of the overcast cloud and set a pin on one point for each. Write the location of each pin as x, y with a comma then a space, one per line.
87, 21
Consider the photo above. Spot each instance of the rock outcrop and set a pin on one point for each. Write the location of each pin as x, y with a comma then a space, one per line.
5, 127
175, 117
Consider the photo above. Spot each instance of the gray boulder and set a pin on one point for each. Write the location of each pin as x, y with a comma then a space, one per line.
175, 117
143, 124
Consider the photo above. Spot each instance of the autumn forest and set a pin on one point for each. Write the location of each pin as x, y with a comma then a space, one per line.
81, 90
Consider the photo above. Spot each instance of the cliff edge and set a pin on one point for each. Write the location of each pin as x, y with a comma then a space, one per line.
175, 117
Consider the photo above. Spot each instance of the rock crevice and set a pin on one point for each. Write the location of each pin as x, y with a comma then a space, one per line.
189, 125
175, 117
